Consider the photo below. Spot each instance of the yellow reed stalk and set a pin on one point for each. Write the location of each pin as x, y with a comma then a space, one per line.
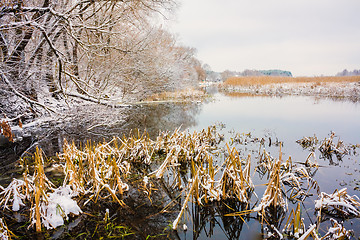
192, 188
117, 176
295, 221
160, 172
273, 194
40, 186
235, 181
37, 209
309, 163
5, 233
311, 231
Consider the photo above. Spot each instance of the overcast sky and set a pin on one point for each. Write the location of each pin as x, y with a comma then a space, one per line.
306, 37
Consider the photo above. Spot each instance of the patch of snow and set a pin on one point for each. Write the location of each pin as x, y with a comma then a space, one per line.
59, 206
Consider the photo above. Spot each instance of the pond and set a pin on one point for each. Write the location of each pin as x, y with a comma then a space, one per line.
288, 119
251, 124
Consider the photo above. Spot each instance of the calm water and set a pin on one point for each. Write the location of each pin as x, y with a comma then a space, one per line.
286, 119
289, 117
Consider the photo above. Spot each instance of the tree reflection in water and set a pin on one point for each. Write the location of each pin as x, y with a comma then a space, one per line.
100, 123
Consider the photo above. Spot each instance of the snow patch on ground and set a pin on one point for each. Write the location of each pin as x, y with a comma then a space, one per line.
60, 205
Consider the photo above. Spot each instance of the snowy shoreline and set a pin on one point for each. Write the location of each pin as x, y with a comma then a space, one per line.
348, 91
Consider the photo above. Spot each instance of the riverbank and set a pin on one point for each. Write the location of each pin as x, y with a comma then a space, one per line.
82, 121
328, 87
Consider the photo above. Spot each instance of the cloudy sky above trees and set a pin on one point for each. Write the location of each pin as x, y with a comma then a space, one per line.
306, 37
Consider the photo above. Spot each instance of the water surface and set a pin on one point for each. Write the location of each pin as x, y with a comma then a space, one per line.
287, 119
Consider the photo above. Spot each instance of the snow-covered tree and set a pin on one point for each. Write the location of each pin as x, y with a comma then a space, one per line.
101, 51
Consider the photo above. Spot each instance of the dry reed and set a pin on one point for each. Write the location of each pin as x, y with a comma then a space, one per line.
338, 204
337, 231
42, 184
264, 80
295, 226
236, 182
4, 231
100, 171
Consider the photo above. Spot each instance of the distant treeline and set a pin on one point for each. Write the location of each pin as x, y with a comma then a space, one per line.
246, 73
345, 72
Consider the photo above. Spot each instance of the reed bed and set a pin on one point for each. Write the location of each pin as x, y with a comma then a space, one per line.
308, 142
273, 195
190, 168
328, 148
236, 180
265, 80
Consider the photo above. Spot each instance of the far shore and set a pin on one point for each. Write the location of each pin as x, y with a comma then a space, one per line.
345, 87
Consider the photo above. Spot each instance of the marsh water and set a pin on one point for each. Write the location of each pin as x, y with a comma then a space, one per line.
276, 120
288, 119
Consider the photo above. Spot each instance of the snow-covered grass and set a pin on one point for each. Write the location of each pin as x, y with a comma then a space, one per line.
339, 203
58, 207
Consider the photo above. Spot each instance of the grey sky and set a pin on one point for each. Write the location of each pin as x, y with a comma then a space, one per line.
307, 37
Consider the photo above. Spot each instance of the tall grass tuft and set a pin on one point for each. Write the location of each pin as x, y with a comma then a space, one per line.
236, 182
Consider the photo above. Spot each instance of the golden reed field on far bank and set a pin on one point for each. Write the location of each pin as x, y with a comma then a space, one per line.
263, 80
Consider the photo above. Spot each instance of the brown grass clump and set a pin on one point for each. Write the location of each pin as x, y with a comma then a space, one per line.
5, 130
264, 80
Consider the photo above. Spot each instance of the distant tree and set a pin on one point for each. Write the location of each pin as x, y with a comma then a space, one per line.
248, 72
200, 71
345, 72
227, 74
